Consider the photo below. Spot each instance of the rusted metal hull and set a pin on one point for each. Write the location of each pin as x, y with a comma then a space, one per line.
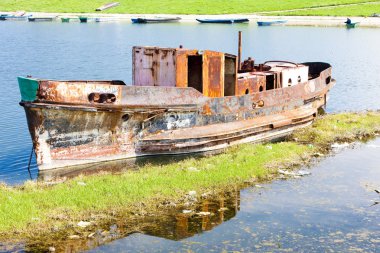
68, 130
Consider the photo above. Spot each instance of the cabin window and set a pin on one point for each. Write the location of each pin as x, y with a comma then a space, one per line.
290, 82
299, 79
270, 82
229, 76
194, 74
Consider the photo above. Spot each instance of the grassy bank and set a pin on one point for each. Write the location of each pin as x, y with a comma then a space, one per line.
39, 207
169, 6
363, 10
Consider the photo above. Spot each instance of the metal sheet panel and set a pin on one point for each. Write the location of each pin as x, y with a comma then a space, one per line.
154, 66
213, 74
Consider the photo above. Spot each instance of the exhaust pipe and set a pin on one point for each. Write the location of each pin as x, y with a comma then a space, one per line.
239, 52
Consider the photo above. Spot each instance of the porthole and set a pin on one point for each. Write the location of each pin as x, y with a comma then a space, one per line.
328, 80
96, 97
125, 117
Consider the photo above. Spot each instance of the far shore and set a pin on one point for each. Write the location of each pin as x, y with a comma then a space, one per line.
326, 21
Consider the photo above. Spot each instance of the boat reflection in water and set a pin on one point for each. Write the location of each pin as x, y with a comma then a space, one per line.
171, 224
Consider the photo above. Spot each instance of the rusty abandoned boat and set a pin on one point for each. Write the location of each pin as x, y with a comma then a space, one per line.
181, 101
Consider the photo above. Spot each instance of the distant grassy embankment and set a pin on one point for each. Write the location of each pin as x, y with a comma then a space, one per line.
35, 208
363, 10
172, 6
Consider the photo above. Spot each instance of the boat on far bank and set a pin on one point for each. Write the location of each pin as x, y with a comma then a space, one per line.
16, 16
181, 101
65, 20
41, 19
352, 24
155, 20
83, 19
223, 21
269, 23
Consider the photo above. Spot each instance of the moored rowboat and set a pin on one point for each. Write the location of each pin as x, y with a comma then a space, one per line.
83, 19
4, 17
352, 24
269, 23
40, 19
223, 21
155, 20
65, 20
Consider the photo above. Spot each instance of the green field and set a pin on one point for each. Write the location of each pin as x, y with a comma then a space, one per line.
364, 10
170, 6
35, 208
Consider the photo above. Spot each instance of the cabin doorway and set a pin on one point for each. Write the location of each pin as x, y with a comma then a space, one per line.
270, 82
194, 73
229, 76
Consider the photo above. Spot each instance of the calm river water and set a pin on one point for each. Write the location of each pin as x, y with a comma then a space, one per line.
327, 210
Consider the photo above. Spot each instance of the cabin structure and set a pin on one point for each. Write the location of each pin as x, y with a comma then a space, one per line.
214, 74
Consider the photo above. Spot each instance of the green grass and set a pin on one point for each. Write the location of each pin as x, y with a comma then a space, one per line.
363, 10
344, 127
37, 207
22, 205
168, 6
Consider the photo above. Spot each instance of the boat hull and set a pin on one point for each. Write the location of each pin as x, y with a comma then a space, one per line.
223, 21
41, 19
83, 19
151, 121
154, 20
269, 23
352, 25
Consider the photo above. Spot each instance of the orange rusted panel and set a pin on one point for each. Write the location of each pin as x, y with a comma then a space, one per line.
260, 85
213, 74
248, 84
182, 66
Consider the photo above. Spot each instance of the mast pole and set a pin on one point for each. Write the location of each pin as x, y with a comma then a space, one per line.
239, 52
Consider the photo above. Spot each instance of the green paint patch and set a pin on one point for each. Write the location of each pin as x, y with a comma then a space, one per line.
168, 6
28, 88
37, 207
